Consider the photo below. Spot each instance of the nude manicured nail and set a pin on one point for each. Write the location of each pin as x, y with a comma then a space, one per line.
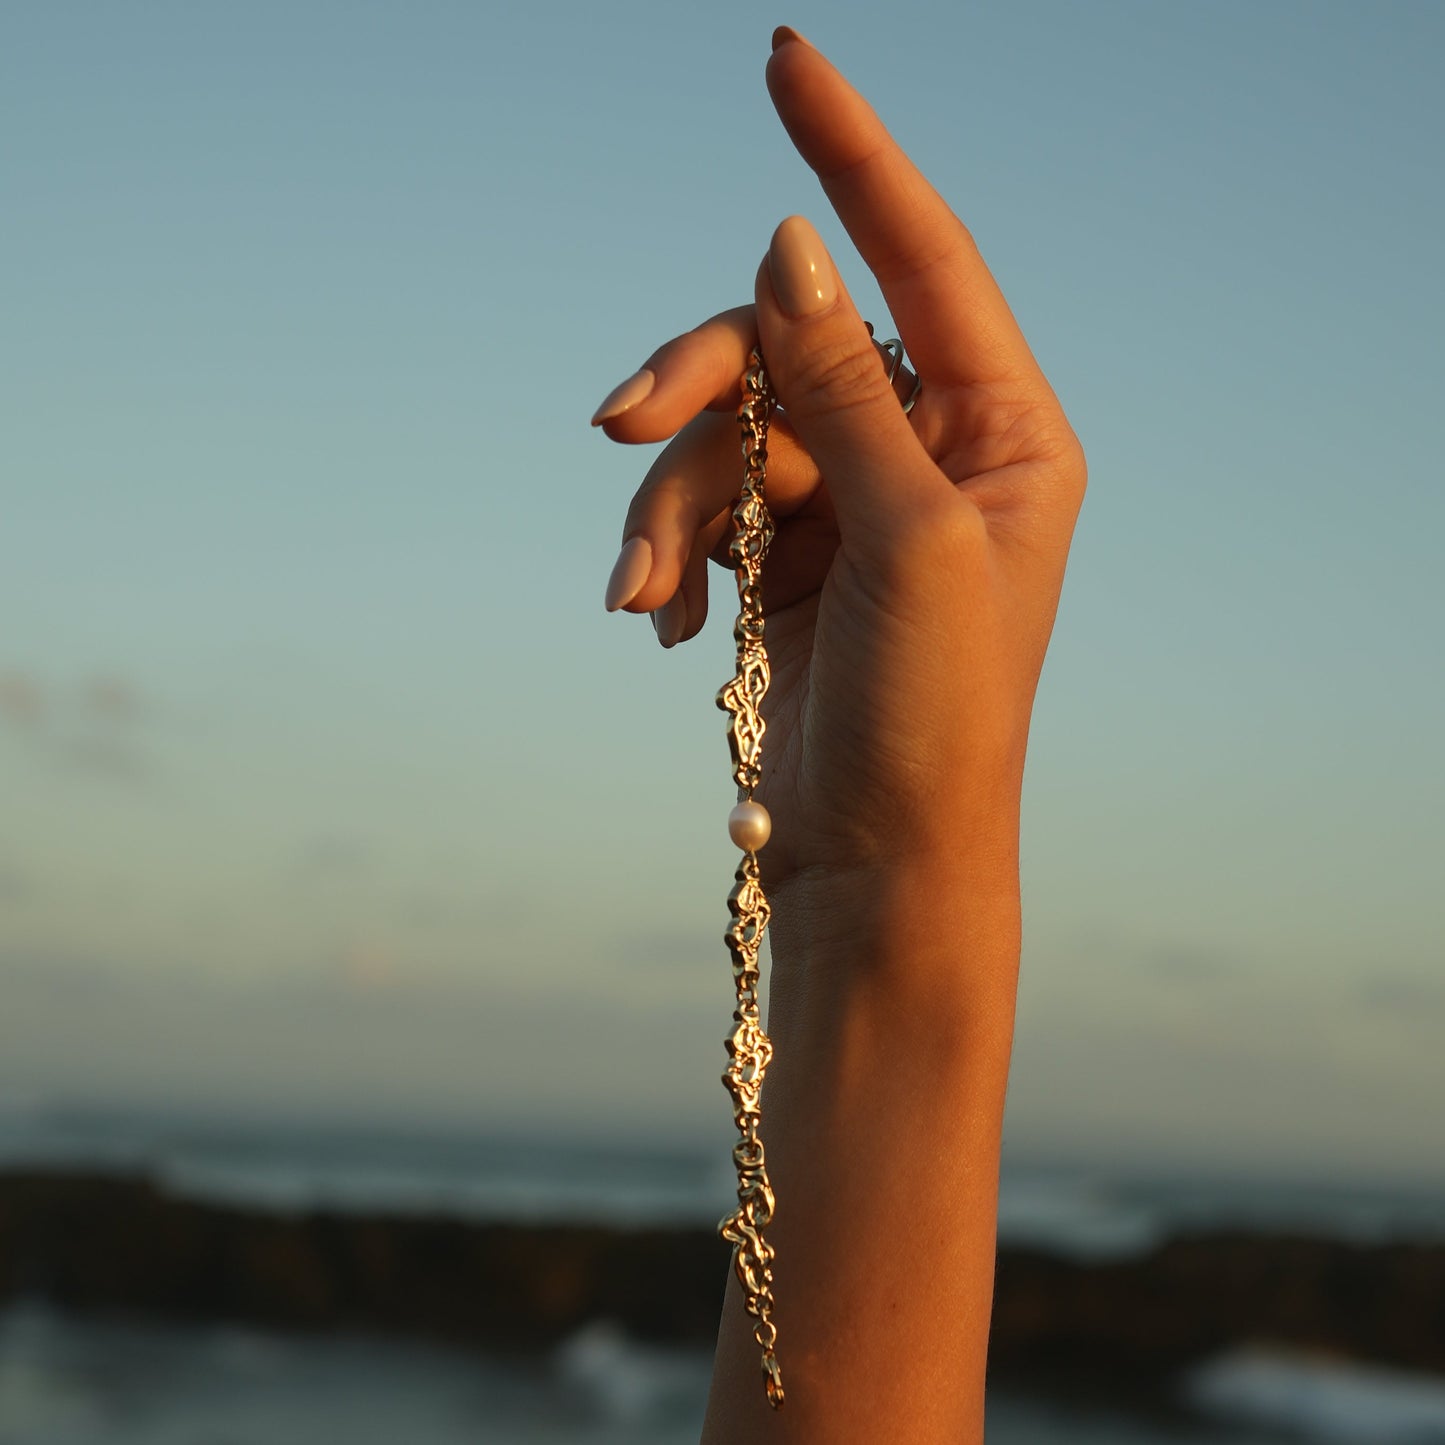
669, 620
624, 396
803, 277
629, 572
785, 33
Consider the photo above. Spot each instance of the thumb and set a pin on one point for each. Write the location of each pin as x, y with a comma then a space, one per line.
829, 379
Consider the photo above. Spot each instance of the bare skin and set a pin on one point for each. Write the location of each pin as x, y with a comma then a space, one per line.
910, 596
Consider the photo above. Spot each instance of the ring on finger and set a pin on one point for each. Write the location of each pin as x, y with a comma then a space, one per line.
894, 347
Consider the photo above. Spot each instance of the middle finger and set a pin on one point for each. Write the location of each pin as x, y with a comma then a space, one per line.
953, 317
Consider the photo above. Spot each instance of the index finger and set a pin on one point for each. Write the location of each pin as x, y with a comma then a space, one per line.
952, 316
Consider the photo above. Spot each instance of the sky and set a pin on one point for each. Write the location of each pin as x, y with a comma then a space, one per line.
329, 790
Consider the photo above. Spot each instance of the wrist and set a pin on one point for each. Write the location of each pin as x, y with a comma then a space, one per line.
928, 940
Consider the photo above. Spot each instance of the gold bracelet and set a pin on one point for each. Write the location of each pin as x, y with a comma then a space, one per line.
749, 1048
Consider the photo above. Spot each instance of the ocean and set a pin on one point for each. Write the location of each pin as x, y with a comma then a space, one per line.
87, 1380
1079, 1212
118, 1383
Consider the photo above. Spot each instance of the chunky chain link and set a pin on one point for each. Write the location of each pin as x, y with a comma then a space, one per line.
749, 1048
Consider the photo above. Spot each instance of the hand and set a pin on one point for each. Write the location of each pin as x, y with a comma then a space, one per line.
911, 588
910, 593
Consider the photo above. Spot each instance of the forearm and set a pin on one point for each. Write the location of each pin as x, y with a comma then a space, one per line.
891, 1010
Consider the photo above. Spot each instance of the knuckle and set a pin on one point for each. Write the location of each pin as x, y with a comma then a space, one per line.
950, 530
1058, 446
947, 537
834, 377
1073, 464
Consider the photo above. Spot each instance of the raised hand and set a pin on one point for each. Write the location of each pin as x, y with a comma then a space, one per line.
910, 594
911, 589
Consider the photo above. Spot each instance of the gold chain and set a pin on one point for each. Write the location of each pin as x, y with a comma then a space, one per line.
749, 1048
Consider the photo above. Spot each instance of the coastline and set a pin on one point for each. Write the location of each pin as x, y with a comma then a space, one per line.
91, 1241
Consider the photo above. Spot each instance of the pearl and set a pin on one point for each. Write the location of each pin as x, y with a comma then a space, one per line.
749, 826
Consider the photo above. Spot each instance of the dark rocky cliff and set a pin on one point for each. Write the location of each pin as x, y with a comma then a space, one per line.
88, 1243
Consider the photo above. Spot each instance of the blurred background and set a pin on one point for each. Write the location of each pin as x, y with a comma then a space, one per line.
362, 882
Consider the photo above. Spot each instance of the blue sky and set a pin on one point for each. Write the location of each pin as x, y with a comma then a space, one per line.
326, 785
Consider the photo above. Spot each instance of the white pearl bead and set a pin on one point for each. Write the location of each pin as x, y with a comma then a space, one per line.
749, 826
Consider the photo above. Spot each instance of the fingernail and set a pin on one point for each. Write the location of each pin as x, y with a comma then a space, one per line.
803, 277
629, 572
785, 33
624, 396
669, 619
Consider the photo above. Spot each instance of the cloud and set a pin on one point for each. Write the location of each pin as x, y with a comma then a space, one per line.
1190, 963
1421, 1000
94, 1030
22, 700
368, 965
332, 856
111, 697
90, 727
103, 756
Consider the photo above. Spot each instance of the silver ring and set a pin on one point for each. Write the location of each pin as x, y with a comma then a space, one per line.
894, 347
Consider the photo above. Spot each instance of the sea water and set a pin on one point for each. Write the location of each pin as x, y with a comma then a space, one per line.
73, 1382
1078, 1211
89, 1381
